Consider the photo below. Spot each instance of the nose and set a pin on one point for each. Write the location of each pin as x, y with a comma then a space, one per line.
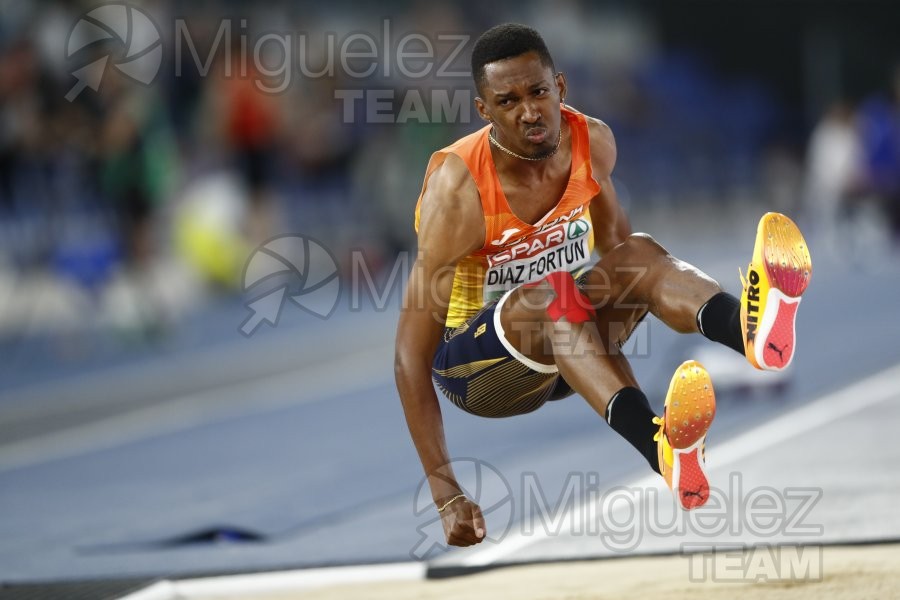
530, 113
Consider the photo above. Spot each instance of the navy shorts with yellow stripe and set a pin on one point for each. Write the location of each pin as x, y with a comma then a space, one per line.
481, 373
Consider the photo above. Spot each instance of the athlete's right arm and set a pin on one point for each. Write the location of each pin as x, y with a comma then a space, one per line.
451, 226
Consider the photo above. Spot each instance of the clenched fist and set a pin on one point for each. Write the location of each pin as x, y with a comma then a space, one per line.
463, 523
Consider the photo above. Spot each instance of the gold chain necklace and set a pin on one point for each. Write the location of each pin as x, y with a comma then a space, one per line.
511, 153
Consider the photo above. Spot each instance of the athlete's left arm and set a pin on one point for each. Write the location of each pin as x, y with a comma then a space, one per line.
611, 225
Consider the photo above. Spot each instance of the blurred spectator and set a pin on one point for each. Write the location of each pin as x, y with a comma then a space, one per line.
834, 170
137, 165
251, 121
880, 126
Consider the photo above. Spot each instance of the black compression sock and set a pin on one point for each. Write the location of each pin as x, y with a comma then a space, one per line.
720, 320
629, 414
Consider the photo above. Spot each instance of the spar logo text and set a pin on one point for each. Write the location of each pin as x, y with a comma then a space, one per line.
507, 241
531, 246
563, 247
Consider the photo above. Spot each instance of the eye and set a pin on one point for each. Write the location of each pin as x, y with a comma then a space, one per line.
542, 91
505, 102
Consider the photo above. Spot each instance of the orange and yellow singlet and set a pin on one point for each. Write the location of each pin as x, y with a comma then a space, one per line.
516, 252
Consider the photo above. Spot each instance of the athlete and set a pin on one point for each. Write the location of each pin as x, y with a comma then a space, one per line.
504, 310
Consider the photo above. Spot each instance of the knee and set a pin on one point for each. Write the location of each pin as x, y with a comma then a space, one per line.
641, 244
564, 300
555, 297
527, 304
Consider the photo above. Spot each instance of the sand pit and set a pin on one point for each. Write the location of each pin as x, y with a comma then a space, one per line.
840, 572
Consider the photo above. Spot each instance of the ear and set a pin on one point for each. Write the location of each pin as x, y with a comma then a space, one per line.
481, 107
561, 86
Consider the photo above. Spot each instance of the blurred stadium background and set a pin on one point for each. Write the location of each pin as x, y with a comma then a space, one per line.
142, 436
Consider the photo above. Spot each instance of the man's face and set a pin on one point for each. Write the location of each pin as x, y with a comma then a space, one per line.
521, 96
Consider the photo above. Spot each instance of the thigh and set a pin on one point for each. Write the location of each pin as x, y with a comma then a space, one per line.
617, 324
476, 370
617, 317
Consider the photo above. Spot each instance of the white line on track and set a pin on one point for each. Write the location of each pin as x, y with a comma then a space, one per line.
868, 392
284, 582
872, 390
229, 363
352, 373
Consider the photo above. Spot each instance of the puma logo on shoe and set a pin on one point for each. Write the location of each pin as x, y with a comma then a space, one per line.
779, 351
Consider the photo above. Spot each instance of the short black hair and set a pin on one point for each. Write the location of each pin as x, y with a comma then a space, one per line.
506, 41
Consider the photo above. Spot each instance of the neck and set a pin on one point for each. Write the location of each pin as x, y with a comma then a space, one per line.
535, 168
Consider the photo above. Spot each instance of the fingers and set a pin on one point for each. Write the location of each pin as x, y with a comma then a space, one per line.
466, 525
478, 522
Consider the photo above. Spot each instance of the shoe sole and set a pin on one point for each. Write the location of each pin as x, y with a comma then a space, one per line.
788, 267
690, 410
689, 477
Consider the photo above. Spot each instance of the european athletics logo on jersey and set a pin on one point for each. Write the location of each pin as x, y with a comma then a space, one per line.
578, 228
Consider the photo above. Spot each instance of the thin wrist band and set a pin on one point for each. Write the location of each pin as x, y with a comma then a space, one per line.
450, 501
